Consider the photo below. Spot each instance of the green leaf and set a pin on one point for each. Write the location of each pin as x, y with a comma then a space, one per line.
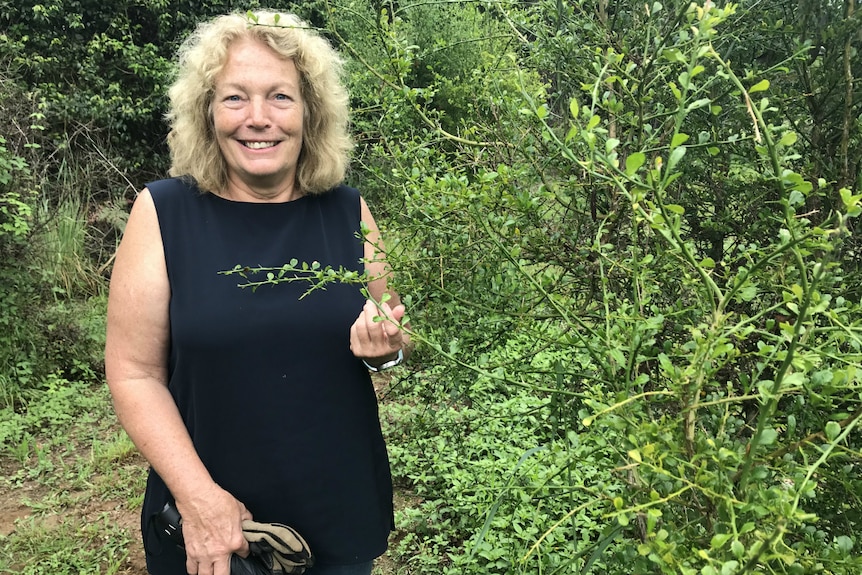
542, 112
698, 104
674, 55
607, 537
573, 108
797, 290
832, 430
665, 363
796, 181
678, 140
788, 139
795, 379
675, 208
644, 550
718, 540
634, 162
791, 425
850, 201
684, 80
768, 436
805, 187
748, 293
844, 543
675, 156
796, 198
623, 519
761, 86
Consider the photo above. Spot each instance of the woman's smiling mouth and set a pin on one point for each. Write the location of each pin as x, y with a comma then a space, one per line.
258, 145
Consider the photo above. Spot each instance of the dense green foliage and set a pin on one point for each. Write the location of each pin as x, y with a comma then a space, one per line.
635, 275
627, 234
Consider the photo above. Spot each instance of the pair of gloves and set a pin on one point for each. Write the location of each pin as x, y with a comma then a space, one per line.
275, 549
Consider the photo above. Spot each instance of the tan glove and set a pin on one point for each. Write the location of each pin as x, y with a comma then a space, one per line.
280, 547
275, 549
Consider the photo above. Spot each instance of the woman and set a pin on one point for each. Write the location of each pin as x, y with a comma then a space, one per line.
255, 404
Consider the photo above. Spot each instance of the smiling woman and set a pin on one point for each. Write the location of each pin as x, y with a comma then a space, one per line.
257, 118
255, 405
202, 60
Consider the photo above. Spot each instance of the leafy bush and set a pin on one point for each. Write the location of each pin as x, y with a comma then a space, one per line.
53, 410
648, 272
44, 334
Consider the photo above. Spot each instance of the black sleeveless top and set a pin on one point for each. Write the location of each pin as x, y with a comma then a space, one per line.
281, 412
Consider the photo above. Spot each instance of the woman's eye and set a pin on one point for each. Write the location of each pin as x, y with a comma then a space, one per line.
282, 97
233, 98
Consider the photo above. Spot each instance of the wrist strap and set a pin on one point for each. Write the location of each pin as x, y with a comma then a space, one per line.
386, 365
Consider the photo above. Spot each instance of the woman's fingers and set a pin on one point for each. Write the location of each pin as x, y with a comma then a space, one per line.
377, 331
212, 530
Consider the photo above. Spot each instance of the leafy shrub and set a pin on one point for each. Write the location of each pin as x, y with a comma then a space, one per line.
54, 409
43, 335
647, 272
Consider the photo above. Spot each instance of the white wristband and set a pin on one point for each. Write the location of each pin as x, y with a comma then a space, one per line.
386, 365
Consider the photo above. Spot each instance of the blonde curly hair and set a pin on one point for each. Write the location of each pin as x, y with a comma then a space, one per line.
326, 142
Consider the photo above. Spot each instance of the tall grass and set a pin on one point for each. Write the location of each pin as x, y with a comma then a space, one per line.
63, 249
54, 288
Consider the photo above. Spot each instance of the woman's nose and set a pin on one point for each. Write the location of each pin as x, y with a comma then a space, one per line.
257, 115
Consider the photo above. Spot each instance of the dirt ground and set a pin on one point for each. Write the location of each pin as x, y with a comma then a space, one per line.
24, 501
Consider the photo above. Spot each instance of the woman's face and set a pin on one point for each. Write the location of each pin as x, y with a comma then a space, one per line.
258, 115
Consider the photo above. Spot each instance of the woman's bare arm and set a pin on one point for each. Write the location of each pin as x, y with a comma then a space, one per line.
136, 359
378, 342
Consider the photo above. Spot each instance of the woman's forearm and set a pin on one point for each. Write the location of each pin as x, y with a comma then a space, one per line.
149, 415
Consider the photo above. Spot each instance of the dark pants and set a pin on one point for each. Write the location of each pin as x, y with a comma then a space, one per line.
357, 569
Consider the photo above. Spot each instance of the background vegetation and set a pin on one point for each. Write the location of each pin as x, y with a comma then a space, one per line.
627, 233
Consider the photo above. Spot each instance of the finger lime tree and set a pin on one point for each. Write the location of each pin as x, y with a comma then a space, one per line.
732, 386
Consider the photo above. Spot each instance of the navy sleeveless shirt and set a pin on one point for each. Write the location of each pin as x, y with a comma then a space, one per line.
281, 412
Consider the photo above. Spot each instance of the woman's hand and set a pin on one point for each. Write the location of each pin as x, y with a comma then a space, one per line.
377, 341
212, 530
